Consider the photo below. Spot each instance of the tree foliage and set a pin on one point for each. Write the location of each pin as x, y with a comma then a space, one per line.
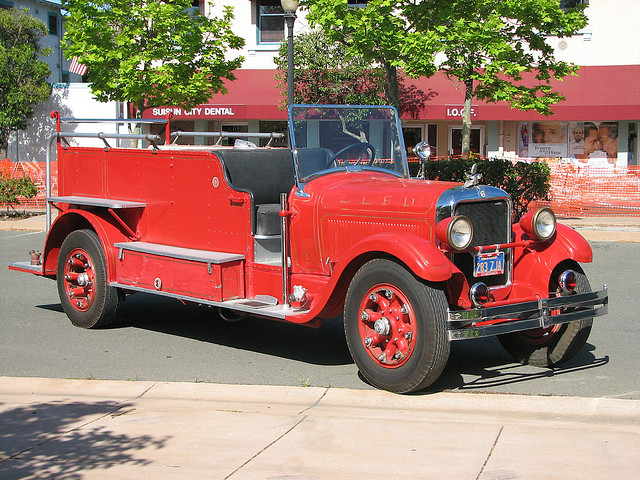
377, 32
498, 50
525, 182
151, 53
23, 74
326, 72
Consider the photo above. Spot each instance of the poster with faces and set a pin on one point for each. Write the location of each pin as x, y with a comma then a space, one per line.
592, 143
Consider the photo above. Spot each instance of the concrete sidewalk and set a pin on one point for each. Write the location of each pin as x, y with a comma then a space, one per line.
90, 429
600, 229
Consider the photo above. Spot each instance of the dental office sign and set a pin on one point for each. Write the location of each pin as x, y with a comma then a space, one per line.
208, 112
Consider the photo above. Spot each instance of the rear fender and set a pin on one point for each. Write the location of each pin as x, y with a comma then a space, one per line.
535, 264
73, 219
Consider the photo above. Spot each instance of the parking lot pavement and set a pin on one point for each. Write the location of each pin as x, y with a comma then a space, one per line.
90, 429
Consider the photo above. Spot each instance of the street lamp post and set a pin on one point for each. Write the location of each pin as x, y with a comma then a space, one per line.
289, 7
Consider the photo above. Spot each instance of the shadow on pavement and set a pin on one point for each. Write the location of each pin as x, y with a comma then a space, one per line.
322, 346
482, 364
56, 440
474, 365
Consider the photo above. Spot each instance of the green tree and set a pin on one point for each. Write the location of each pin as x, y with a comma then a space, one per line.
327, 73
377, 32
23, 74
499, 51
151, 53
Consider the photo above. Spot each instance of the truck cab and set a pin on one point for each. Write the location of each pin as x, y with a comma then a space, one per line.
334, 225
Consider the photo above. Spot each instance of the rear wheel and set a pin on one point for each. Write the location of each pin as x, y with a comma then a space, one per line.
395, 326
86, 297
548, 347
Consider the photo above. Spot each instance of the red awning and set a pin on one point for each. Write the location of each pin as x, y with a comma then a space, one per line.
602, 93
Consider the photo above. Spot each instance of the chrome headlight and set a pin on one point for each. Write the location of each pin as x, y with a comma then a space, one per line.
456, 232
541, 223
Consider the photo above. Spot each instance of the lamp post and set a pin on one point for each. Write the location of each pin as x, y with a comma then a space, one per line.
289, 7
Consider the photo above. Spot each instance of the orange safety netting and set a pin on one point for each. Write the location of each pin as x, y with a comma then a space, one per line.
585, 191
594, 191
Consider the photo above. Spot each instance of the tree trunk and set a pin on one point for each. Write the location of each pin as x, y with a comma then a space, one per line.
391, 89
466, 117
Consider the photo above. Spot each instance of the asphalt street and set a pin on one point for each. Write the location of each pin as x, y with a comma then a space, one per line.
162, 340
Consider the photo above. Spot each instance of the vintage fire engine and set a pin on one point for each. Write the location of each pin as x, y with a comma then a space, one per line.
335, 225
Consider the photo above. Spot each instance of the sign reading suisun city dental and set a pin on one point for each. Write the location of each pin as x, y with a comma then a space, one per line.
199, 112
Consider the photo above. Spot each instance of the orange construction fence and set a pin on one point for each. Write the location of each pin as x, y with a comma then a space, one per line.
575, 191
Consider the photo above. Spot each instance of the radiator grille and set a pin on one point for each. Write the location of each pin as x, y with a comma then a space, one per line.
490, 221
491, 225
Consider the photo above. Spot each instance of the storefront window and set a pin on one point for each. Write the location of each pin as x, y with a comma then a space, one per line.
274, 127
567, 4
270, 21
233, 128
455, 140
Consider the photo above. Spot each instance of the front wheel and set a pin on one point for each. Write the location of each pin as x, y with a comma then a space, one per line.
548, 347
396, 327
86, 297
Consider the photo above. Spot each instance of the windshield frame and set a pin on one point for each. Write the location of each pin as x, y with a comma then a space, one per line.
400, 162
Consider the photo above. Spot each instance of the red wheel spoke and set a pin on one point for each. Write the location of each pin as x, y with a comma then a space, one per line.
386, 327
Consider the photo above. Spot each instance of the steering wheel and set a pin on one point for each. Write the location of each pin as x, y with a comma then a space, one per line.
361, 147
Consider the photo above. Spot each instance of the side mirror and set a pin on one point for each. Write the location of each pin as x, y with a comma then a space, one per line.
423, 150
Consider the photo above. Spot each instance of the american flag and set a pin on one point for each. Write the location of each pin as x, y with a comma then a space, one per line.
76, 67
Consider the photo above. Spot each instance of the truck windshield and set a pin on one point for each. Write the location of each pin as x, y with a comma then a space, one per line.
329, 138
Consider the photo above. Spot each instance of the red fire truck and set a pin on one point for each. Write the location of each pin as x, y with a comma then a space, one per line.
334, 225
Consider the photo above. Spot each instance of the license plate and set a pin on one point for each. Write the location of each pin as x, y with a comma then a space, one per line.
486, 264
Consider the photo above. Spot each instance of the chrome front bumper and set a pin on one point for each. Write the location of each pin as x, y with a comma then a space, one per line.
463, 324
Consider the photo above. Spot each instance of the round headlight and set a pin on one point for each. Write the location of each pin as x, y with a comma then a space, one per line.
544, 223
540, 224
457, 232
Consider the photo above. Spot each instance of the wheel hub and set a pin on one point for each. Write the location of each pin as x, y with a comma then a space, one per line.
79, 279
387, 323
382, 326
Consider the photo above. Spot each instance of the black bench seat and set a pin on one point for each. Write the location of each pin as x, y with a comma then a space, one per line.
265, 173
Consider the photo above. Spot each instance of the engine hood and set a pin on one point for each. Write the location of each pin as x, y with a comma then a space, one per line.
372, 193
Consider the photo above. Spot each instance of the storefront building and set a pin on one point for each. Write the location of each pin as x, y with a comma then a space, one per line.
596, 125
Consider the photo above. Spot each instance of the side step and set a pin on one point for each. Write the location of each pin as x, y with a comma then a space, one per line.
26, 267
178, 252
245, 305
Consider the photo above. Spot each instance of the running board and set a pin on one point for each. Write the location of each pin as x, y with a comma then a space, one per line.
245, 305
26, 267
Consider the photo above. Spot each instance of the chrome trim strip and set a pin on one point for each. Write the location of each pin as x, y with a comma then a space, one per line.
527, 315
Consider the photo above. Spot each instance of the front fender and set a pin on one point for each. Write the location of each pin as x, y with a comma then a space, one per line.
535, 264
419, 254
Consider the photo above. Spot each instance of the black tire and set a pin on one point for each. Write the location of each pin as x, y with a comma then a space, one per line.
88, 301
417, 337
552, 346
